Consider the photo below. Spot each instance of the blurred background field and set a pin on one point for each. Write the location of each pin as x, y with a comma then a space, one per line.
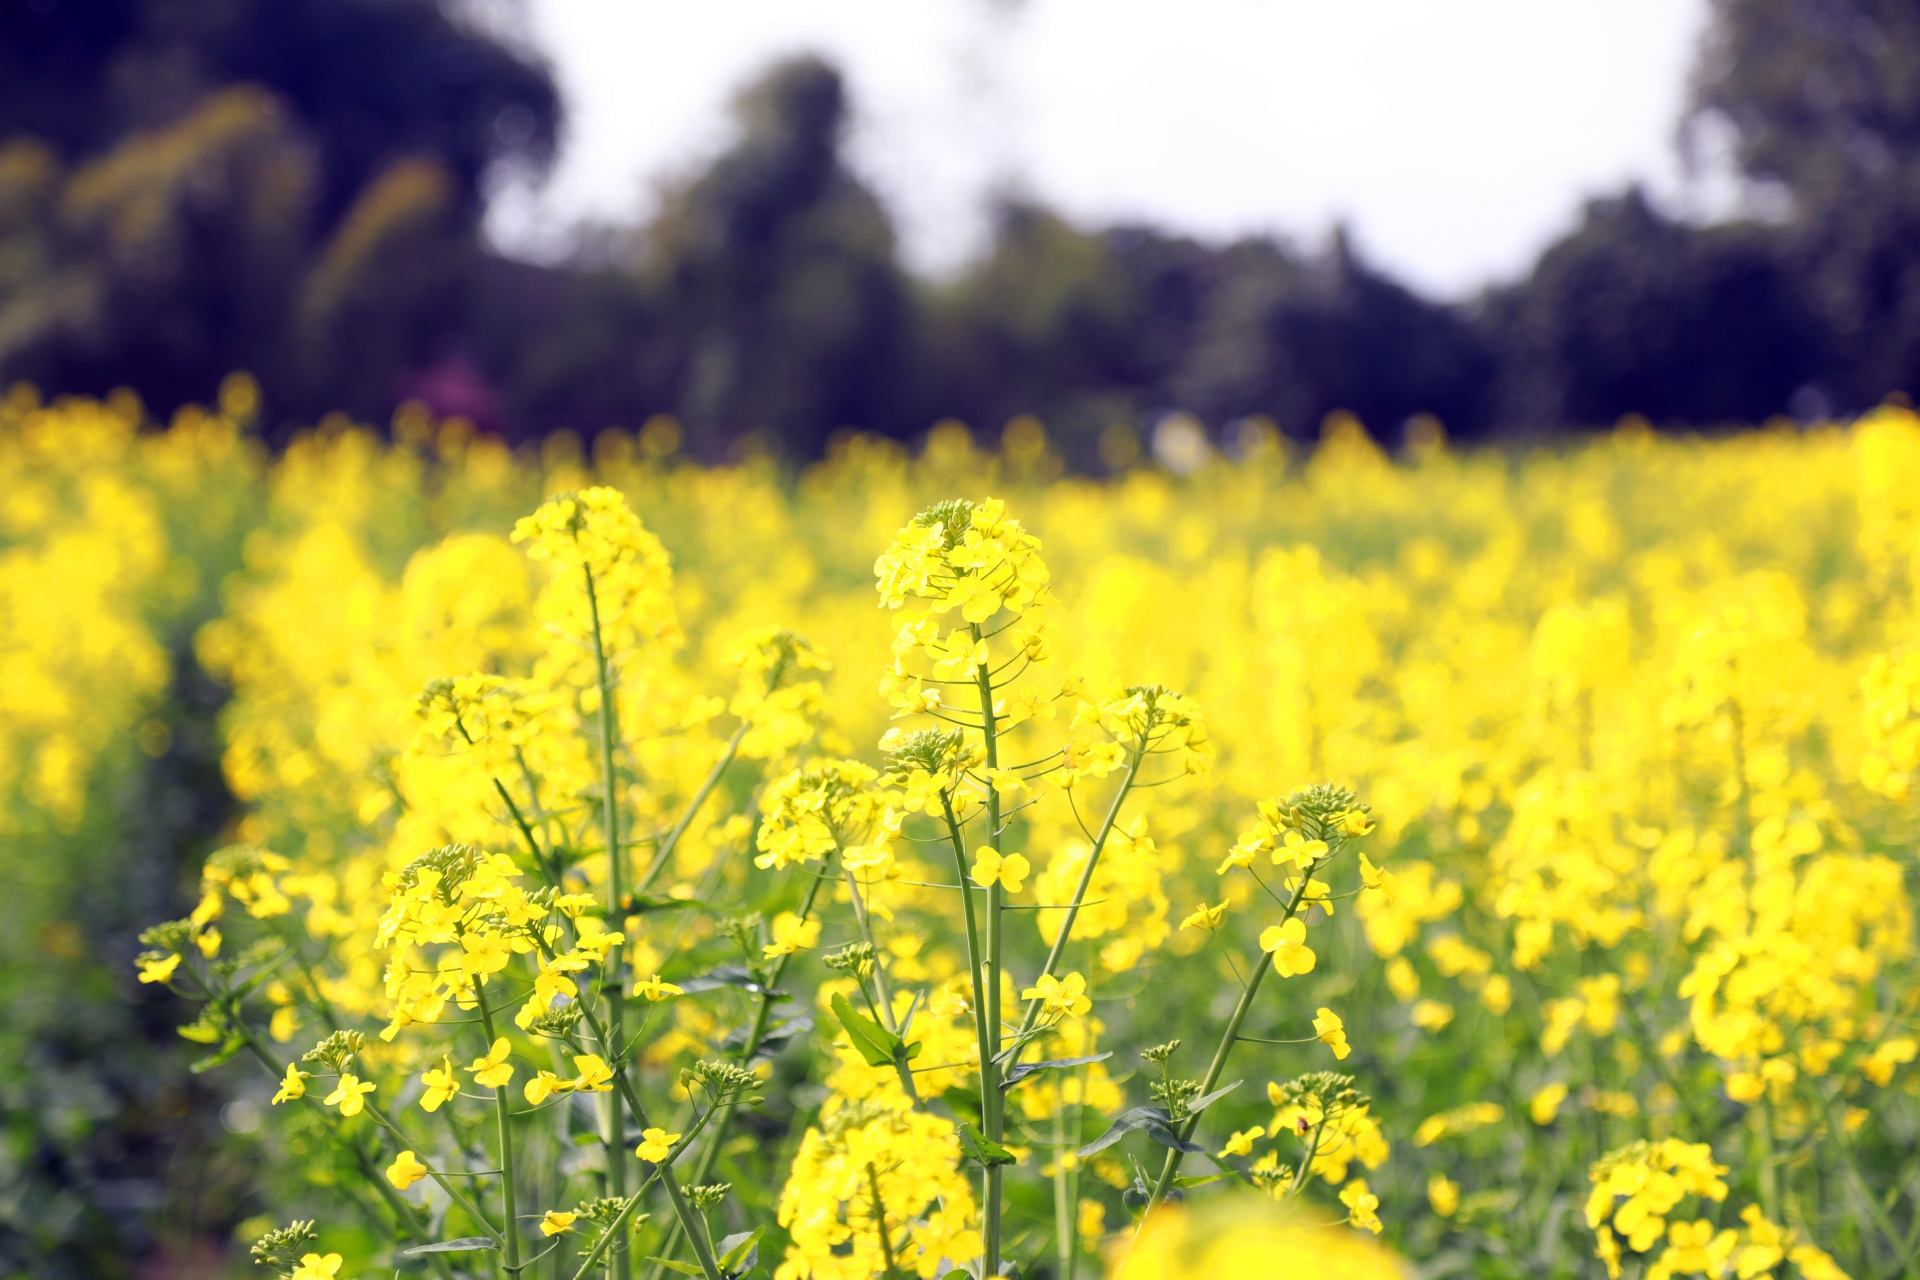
1397, 539
1516, 655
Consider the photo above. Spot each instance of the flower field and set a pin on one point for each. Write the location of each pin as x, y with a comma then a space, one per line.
934, 863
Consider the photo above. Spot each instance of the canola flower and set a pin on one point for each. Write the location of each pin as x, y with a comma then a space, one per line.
1244, 1239
1634, 719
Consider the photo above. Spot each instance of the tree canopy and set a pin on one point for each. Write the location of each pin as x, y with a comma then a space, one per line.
294, 187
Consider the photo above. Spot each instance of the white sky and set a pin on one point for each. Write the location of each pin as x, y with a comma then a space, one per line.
1456, 137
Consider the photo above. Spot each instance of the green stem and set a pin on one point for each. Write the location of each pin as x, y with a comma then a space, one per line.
613, 1128
880, 1223
623, 1086
1063, 1223
1232, 1033
981, 1034
864, 923
702, 1251
755, 1034
1875, 1210
1059, 947
503, 1114
1306, 1159
613, 1228
993, 1102
660, 1171
667, 846
410, 1218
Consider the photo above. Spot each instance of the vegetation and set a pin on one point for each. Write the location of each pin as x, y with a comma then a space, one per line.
1522, 868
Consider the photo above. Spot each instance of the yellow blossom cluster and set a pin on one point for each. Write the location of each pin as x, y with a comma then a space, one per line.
1634, 719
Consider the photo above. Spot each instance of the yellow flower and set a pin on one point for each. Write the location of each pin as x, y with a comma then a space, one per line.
493, 1071
543, 1086
790, 934
441, 1084
1376, 877
208, 942
158, 968
656, 1145
1009, 871
293, 1087
556, 1222
1241, 855
656, 990
1238, 1238
1205, 917
1298, 850
595, 1076
1361, 1205
1879, 1065
1546, 1103
350, 1094
1331, 1032
208, 909
1287, 942
1090, 1224
1444, 1195
1006, 782
1241, 1143
406, 1170
484, 953
314, 1267
1060, 997
924, 792
1353, 823
600, 943
1607, 1249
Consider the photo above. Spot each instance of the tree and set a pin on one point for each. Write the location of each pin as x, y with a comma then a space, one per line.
1078, 327
1636, 313
1298, 339
189, 252
1822, 98
291, 187
791, 314
370, 81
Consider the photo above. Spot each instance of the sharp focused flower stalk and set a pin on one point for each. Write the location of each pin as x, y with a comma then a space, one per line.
992, 1095
613, 1133
509, 1170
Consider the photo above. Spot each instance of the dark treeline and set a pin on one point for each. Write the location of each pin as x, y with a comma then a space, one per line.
295, 187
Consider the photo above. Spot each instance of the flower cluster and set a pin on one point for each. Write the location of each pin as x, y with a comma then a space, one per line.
1640, 776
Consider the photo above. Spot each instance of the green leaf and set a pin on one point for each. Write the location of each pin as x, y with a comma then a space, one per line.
776, 1037
219, 1057
641, 903
983, 1150
874, 1042
1021, 1070
1152, 1121
1200, 1104
684, 1268
729, 975
463, 1245
740, 1251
